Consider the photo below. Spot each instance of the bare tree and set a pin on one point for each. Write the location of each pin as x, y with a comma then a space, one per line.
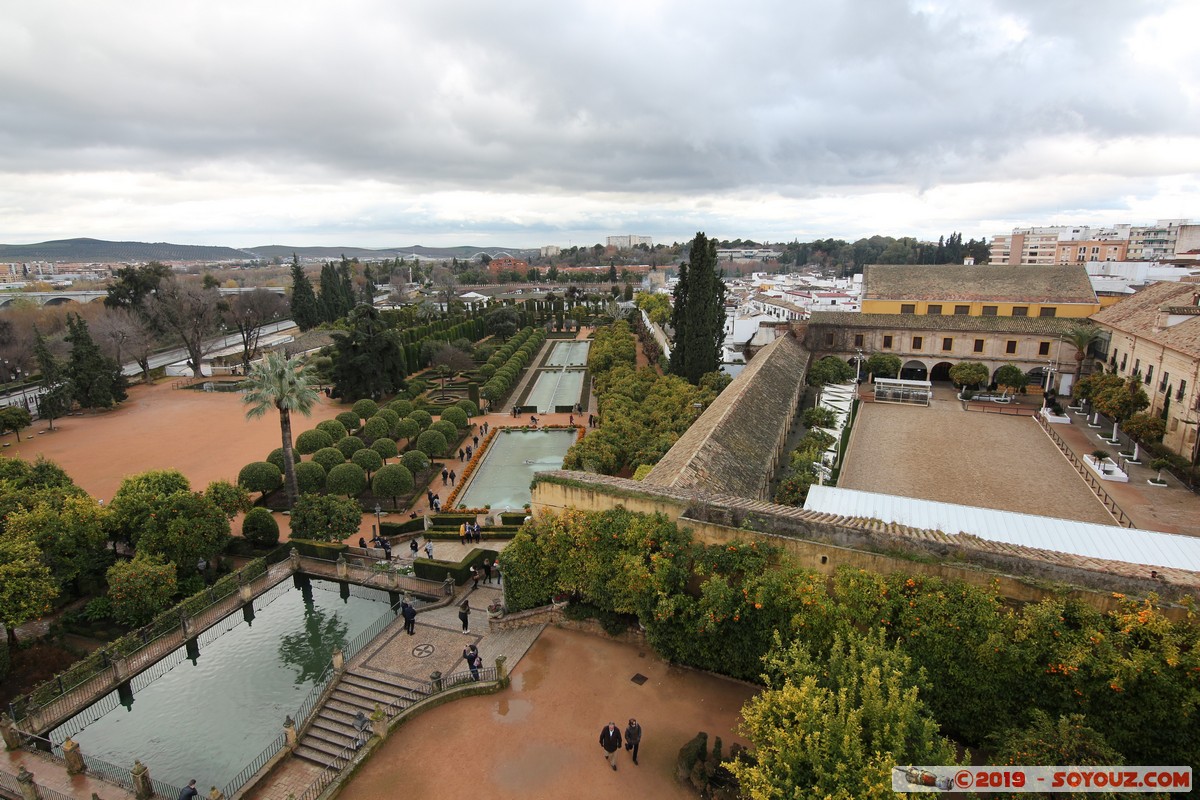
449, 360
123, 334
445, 284
248, 314
192, 314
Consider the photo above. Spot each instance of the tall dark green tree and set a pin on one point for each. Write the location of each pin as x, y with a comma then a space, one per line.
56, 397
331, 294
96, 380
306, 311
131, 285
368, 293
699, 313
368, 359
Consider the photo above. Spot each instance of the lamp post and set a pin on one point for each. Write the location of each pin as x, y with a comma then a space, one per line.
378, 519
858, 361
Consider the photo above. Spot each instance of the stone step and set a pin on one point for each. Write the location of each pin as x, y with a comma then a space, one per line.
311, 754
369, 682
326, 739
325, 748
365, 694
336, 724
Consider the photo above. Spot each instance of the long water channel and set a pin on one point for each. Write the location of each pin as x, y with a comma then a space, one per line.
207, 718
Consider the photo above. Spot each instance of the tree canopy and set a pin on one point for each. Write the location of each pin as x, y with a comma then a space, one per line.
698, 315
368, 359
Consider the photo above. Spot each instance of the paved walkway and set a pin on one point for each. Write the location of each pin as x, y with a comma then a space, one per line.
1171, 509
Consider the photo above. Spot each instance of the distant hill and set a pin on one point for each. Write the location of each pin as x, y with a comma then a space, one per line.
90, 250
99, 250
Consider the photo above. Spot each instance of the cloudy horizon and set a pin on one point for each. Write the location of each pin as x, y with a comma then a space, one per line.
473, 123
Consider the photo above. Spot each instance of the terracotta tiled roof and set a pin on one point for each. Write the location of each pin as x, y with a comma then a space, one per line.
1139, 315
1022, 283
731, 447
1043, 326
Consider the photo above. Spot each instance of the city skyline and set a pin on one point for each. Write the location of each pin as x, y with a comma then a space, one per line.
380, 126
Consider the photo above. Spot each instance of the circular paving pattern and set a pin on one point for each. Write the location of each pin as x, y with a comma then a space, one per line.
423, 650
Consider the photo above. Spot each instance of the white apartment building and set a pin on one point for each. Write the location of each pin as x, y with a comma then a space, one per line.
1067, 244
550, 250
629, 241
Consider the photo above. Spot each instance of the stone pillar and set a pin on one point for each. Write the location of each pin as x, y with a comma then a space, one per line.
12, 741
142, 788
294, 558
185, 624
379, 722
391, 579
339, 660
435, 680
121, 668
73, 757
502, 669
289, 733
246, 593
29, 789
343, 571
216, 794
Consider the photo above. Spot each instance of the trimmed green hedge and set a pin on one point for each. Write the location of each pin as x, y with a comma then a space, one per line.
399, 528
514, 518
326, 550
436, 570
486, 533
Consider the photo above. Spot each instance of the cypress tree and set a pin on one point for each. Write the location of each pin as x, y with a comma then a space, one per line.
331, 293
305, 310
698, 316
96, 380
55, 400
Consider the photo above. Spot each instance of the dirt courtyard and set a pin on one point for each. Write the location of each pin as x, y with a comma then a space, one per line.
950, 455
204, 435
540, 737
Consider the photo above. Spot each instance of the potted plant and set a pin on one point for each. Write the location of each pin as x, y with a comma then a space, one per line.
495, 609
1098, 458
1158, 465
560, 600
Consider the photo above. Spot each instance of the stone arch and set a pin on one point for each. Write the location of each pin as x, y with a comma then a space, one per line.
59, 301
914, 370
940, 371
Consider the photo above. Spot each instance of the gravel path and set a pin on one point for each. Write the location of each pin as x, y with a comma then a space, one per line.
947, 454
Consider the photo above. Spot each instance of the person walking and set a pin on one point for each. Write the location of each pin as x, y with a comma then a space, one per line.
474, 577
410, 617
487, 570
462, 533
189, 791
445, 475
464, 614
387, 549
633, 738
461, 453
453, 477
610, 740
429, 549
496, 567
412, 545
478, 533
474, 662
475, 441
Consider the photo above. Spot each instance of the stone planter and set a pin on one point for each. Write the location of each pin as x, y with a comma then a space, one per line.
1106, 470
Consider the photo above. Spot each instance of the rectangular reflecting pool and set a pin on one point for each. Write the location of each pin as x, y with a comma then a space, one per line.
502, 479
207, 718
555, 388
569, 354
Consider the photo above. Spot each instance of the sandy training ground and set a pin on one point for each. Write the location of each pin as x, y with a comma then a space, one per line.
954, 456
204, 435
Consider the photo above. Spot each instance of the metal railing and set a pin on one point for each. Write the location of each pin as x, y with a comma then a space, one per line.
11, 787
1091, 480
254, 766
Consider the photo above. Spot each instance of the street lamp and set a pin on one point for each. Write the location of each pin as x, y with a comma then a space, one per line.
378, 519
859, 361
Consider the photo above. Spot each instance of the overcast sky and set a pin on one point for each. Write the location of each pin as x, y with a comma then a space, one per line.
528, 123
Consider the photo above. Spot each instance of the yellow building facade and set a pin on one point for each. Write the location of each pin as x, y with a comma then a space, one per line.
1041, 291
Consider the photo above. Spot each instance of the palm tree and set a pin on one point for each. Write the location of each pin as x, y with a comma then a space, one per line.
1081, 338
285, 384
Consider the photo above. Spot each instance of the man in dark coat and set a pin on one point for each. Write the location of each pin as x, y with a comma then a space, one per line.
610, 740
633, 737
410, 617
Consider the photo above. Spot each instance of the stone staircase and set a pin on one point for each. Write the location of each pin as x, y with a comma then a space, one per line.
332, 729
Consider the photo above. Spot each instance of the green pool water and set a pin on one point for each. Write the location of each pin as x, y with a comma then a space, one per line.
513, 458
206, 720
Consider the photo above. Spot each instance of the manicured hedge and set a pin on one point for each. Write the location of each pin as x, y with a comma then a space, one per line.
400, 528
460, 572
326, 550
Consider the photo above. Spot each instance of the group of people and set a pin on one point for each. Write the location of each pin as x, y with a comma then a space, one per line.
379, 543
469, 532
484, 572
435, 501
610, 740
446, 474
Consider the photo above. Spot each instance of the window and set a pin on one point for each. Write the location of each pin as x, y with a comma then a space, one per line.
908, 308
1043, 348
829, 340
1124, 358
1162, 384
1182, 387
979, 345
934, 309
917, 342
1010, 347
1020, 311
887, 343
990, 311
858, 340
1149, 374
947, 344
962, 311
1048, 311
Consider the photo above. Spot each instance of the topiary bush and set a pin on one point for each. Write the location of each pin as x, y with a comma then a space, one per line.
455, 416
386, 448
349, 420
407, 429
310, 476
432, 443
368, 460
310, 442
391, 416
468, 408
401, 407
423, 418
276, 457
350, 445
260, 476
329, 458
260, 529
346, 479
376, 428
365, 409
446, 429
392, 481
336, 430
325, 518
415, 461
